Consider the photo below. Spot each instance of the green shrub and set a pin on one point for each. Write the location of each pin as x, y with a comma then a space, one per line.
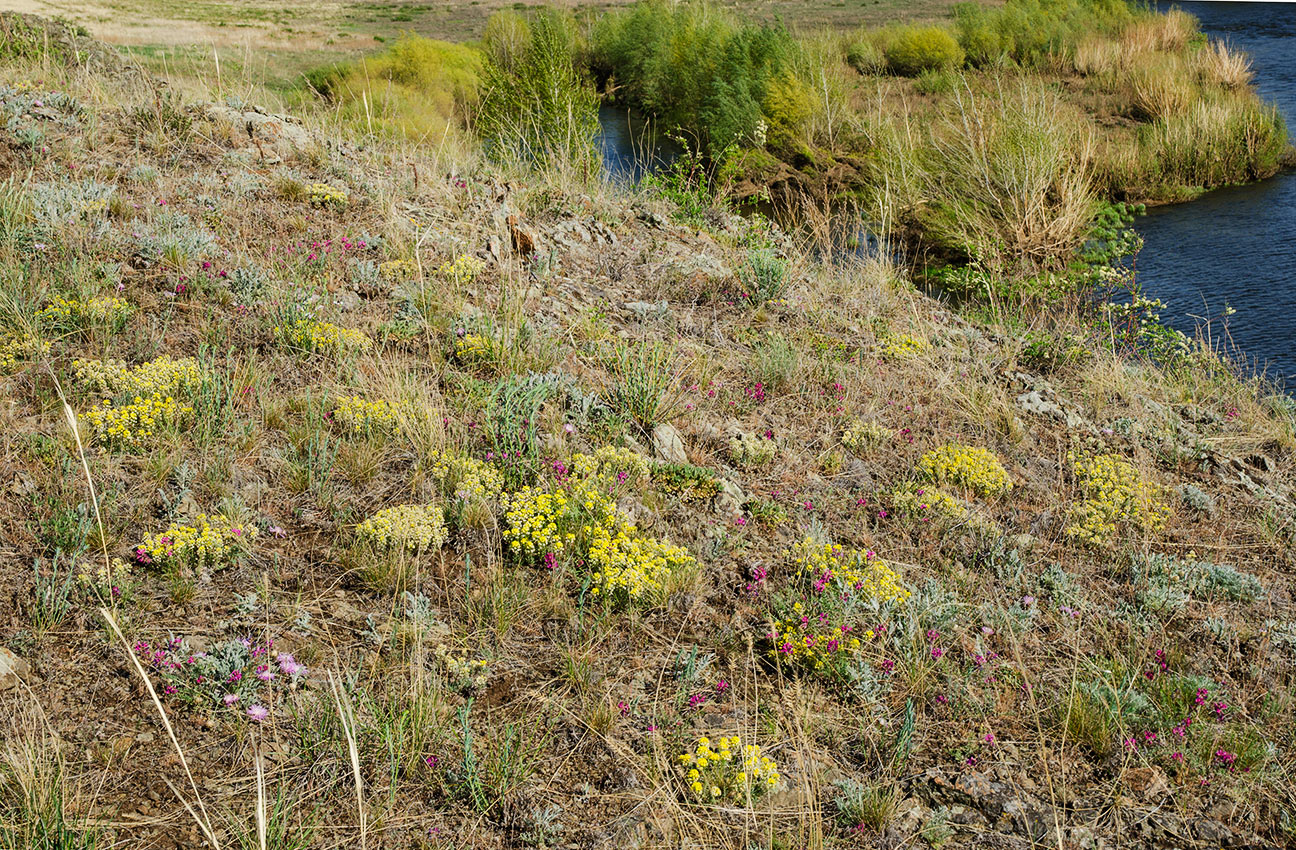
788, 106
1031, 31
977, 35
917, 49
1166, 581
418, 88
698, 70
763, 277
936, 82
687, 482
537, 108
865, 56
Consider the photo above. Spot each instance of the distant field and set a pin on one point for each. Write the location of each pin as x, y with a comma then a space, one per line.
287, 36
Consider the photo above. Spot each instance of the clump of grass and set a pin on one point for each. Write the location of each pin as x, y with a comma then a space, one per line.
1222, 65
38, 802
646, 383
867, 807
763, 277
1217, 140
1009, 178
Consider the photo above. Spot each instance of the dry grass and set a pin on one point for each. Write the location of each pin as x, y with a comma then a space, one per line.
1222, 65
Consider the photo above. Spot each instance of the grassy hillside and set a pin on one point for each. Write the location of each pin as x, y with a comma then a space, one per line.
360, 493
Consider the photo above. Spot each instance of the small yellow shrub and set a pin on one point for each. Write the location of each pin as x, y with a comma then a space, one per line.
325, 196
163, 376
414, 528
462, 271
21, 348
861, 437
75, 312
730, 772
1114, 493
903, 347
578, 521
972, 468
360, 416
136, 423
324, 337
211, 542
847, 572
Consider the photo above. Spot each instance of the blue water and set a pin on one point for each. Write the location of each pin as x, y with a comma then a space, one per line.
1236, 247
630, 146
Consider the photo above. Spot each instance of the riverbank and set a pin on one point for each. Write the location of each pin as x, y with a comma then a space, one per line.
958, 136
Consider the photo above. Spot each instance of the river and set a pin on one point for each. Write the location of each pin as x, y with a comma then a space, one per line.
1231, 248
1236, 247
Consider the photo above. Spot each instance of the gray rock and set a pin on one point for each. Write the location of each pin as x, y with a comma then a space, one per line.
667, 443
12, 669
855, 476
730, 499
1033, 402
1212, 832
346, 300
275, 137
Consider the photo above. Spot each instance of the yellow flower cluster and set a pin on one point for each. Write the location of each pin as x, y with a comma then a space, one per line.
326, 337
580, 520
1114, 493
108, 309
324, 195
973, 468
462, 672
21, 348
415, 528
397, 271
903, 346
612, 465
929, 502
537, 522
750, 450
366, 417
860, 436
471, 347
848, 571
625, 565
211, 542
138, 421
162, 376
463, 270
728, 772
466, 479
95, 208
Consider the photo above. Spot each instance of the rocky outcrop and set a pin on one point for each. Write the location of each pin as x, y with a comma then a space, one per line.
270, 136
